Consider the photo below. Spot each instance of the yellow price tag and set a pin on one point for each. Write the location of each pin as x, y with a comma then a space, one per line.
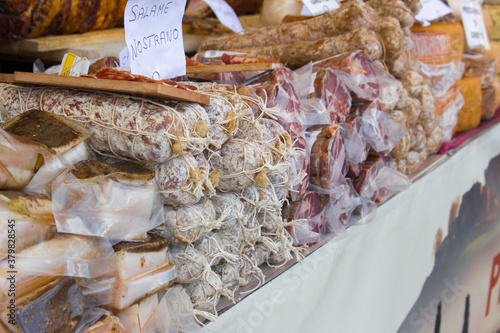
68, 61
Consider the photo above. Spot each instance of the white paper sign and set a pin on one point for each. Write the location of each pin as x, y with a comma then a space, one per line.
153, 33
318, 7
432, 10
124, 57
472, 19
305, 11
225, 14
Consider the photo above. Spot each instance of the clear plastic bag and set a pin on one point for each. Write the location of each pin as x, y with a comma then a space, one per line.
299, 168
20, 159
63, 255
52, 168
355, 148
448, 106
174, 313
377, 128
105, 206
278, 92
135, 317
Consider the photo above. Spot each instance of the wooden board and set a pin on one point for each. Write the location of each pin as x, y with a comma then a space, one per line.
55, 57
59, 42
158, 90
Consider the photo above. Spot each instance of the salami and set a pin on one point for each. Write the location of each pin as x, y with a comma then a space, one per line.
389, 30
242, 163
190, 264
393, 8
299, 170
184, 180
124, 126
228, 208
352, 15
190, 223
300, 53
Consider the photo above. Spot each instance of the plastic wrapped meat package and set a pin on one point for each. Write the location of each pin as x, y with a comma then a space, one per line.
32, 215
106, 200
310, 211
300, 170
327, 157
331, 100
378, 181
48, 145
55, 307
142, 269
363, 77
20, 159
227, 58
62, 255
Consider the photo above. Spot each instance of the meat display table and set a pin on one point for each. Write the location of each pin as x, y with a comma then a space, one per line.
429, 260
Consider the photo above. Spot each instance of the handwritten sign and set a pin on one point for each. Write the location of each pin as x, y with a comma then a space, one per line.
432, 10
318, 7
225, 14
472, 19
153, 33
124, 57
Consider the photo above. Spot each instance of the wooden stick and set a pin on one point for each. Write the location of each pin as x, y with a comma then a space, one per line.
6, 78
261, 66
120, 86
